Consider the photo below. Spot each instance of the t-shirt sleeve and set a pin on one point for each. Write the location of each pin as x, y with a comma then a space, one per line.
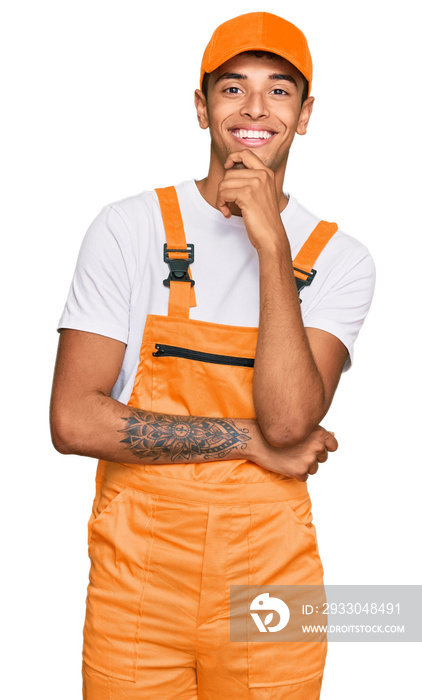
99, 296
343, 306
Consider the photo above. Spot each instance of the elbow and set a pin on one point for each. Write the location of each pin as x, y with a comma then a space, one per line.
63, 434
290, 426
288, 433
284, 437
61, 440
74, 426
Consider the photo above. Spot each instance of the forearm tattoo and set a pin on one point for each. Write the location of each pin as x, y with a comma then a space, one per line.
158, 435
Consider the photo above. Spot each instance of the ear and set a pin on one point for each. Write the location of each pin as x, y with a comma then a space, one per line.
201, 109
305, 115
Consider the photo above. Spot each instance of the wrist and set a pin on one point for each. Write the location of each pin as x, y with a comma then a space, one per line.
272, 248
252, 450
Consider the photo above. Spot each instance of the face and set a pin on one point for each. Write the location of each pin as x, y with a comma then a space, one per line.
254, 103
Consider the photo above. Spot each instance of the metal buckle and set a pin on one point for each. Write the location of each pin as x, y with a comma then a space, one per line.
309, 276
300, 284
179, 267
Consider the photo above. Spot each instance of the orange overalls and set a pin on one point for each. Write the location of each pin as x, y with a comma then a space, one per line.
166, 542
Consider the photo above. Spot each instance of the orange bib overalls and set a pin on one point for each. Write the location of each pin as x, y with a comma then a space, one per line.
166, 541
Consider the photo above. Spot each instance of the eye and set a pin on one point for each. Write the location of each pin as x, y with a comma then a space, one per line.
279, 91
232, 90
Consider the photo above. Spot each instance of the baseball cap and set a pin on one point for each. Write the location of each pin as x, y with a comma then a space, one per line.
258, 31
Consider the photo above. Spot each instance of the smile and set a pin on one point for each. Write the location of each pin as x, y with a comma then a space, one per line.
251, 136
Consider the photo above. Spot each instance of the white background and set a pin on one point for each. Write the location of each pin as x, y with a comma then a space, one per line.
98, 105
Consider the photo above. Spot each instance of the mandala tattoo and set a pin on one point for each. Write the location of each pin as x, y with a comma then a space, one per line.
156, 435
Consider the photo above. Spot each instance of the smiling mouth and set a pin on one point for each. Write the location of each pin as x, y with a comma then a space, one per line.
252, 136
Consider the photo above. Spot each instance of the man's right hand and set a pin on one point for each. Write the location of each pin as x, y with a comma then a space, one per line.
300, 460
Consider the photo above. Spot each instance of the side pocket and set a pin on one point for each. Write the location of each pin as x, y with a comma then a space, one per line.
283, 551
122, 534
106, 494
300, 510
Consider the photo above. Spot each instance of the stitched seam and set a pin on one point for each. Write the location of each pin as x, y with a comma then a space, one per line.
223, 505
215, 483
200, 594
250, 568
151, 520
290, 682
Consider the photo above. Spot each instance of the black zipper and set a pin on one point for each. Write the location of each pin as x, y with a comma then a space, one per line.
173, 351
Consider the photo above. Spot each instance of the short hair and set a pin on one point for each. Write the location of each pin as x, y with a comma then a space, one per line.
258, 54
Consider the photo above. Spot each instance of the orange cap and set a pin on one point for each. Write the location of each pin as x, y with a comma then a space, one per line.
258, 31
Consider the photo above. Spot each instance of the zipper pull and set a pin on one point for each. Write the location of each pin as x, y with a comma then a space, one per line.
160, 350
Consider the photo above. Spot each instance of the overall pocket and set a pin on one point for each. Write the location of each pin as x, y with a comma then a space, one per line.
300, 510
121, 540
283, 552
210, 357
107, 494
195, 382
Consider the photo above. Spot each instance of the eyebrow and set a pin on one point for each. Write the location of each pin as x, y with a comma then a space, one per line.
231, 76
282, 76
272, 76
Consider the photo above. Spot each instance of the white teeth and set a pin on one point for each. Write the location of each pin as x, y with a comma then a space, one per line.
251, 134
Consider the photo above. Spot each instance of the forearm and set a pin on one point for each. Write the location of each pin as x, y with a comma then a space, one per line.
107, 429
288, 389
119, 433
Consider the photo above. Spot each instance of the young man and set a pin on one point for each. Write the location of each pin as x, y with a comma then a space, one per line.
203, 401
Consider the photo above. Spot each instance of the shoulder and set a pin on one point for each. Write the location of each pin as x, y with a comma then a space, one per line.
146, 202
125, 224
342, 252
141, 211
134, 210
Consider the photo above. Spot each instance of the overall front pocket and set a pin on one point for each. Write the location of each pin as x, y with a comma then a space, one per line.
213, 358
283, 552
107, 495
120, 550
198, 383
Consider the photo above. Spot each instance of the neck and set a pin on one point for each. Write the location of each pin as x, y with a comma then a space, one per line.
208, 186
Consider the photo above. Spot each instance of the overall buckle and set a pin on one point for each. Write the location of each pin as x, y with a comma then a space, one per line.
179, 266
309, 276
300, 284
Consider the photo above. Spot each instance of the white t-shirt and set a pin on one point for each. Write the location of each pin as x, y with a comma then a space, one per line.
120, 271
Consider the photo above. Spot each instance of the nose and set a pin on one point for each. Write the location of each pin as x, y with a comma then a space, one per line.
255, 107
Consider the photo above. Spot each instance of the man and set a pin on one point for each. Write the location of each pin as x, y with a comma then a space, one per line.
202, 396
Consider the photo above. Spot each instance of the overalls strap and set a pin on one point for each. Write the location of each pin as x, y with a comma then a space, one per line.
182, 293
310, 251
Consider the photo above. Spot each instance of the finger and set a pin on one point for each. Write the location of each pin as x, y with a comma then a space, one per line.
224, 199
244, 174
322, 456
331, 442
313, 469
225, 209
239, 178
238, 191
245, 156
240, 170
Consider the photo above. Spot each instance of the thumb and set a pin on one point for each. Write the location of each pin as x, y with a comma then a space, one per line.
331, 442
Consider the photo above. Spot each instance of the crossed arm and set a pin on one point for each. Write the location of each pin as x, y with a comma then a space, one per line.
85, 420
296, 371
